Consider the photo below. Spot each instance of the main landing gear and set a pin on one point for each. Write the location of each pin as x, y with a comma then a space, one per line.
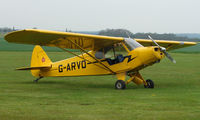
134, 77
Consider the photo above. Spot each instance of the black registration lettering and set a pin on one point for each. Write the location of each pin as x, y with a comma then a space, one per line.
60, 68
83, 64
68, 67
73, 66
78, 64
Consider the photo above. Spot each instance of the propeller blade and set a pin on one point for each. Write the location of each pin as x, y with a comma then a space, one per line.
169, 57
154, 41
163, 50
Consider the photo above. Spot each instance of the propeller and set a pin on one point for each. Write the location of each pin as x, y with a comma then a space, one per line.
162, 49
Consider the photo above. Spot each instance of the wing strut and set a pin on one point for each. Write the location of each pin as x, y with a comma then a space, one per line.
82, 58
91, 56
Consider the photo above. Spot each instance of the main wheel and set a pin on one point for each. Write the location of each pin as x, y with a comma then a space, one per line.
120, 84
150, 84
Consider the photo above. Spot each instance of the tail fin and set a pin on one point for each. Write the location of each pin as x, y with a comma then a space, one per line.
39, 60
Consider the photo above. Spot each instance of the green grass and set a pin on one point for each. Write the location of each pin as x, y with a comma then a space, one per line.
192, 49
176, 94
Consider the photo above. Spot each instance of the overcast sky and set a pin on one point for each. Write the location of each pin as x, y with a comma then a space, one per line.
161, 16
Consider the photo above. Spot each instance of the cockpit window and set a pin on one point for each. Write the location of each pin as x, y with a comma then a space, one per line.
132, 44
113, 55
116, 54
101, 53
111, 52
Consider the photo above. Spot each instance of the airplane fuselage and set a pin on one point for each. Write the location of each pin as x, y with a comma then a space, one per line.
76, 66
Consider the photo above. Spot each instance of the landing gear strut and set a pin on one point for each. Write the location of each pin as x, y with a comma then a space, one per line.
38, 79
134, 77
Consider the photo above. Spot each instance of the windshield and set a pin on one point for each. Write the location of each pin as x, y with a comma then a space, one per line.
132, 44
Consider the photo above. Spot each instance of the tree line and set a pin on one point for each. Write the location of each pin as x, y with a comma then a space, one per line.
6, 30
127, 33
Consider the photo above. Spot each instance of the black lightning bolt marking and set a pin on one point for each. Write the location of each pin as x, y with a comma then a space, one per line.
129, 58
96, 62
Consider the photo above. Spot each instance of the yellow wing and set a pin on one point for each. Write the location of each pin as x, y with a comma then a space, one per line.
169, 45
85, 41
61, 39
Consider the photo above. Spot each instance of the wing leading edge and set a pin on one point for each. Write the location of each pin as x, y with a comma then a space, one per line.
168, 44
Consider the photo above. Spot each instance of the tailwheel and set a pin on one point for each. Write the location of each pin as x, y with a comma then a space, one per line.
150, 84
37, 79
120, 84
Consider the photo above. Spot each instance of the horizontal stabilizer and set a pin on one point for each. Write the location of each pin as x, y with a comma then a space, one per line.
34, 68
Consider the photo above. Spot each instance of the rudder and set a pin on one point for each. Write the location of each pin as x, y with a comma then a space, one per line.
39, 59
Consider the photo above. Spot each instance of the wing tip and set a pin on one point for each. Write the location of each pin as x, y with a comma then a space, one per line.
188, 43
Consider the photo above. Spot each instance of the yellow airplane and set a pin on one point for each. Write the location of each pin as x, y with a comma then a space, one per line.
101, 55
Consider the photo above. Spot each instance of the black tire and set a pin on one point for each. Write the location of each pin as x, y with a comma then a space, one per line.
150, 84
120, 84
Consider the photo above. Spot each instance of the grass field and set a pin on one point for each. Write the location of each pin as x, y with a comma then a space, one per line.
176, 95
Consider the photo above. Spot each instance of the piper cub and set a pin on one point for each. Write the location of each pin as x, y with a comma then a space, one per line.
101, 55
